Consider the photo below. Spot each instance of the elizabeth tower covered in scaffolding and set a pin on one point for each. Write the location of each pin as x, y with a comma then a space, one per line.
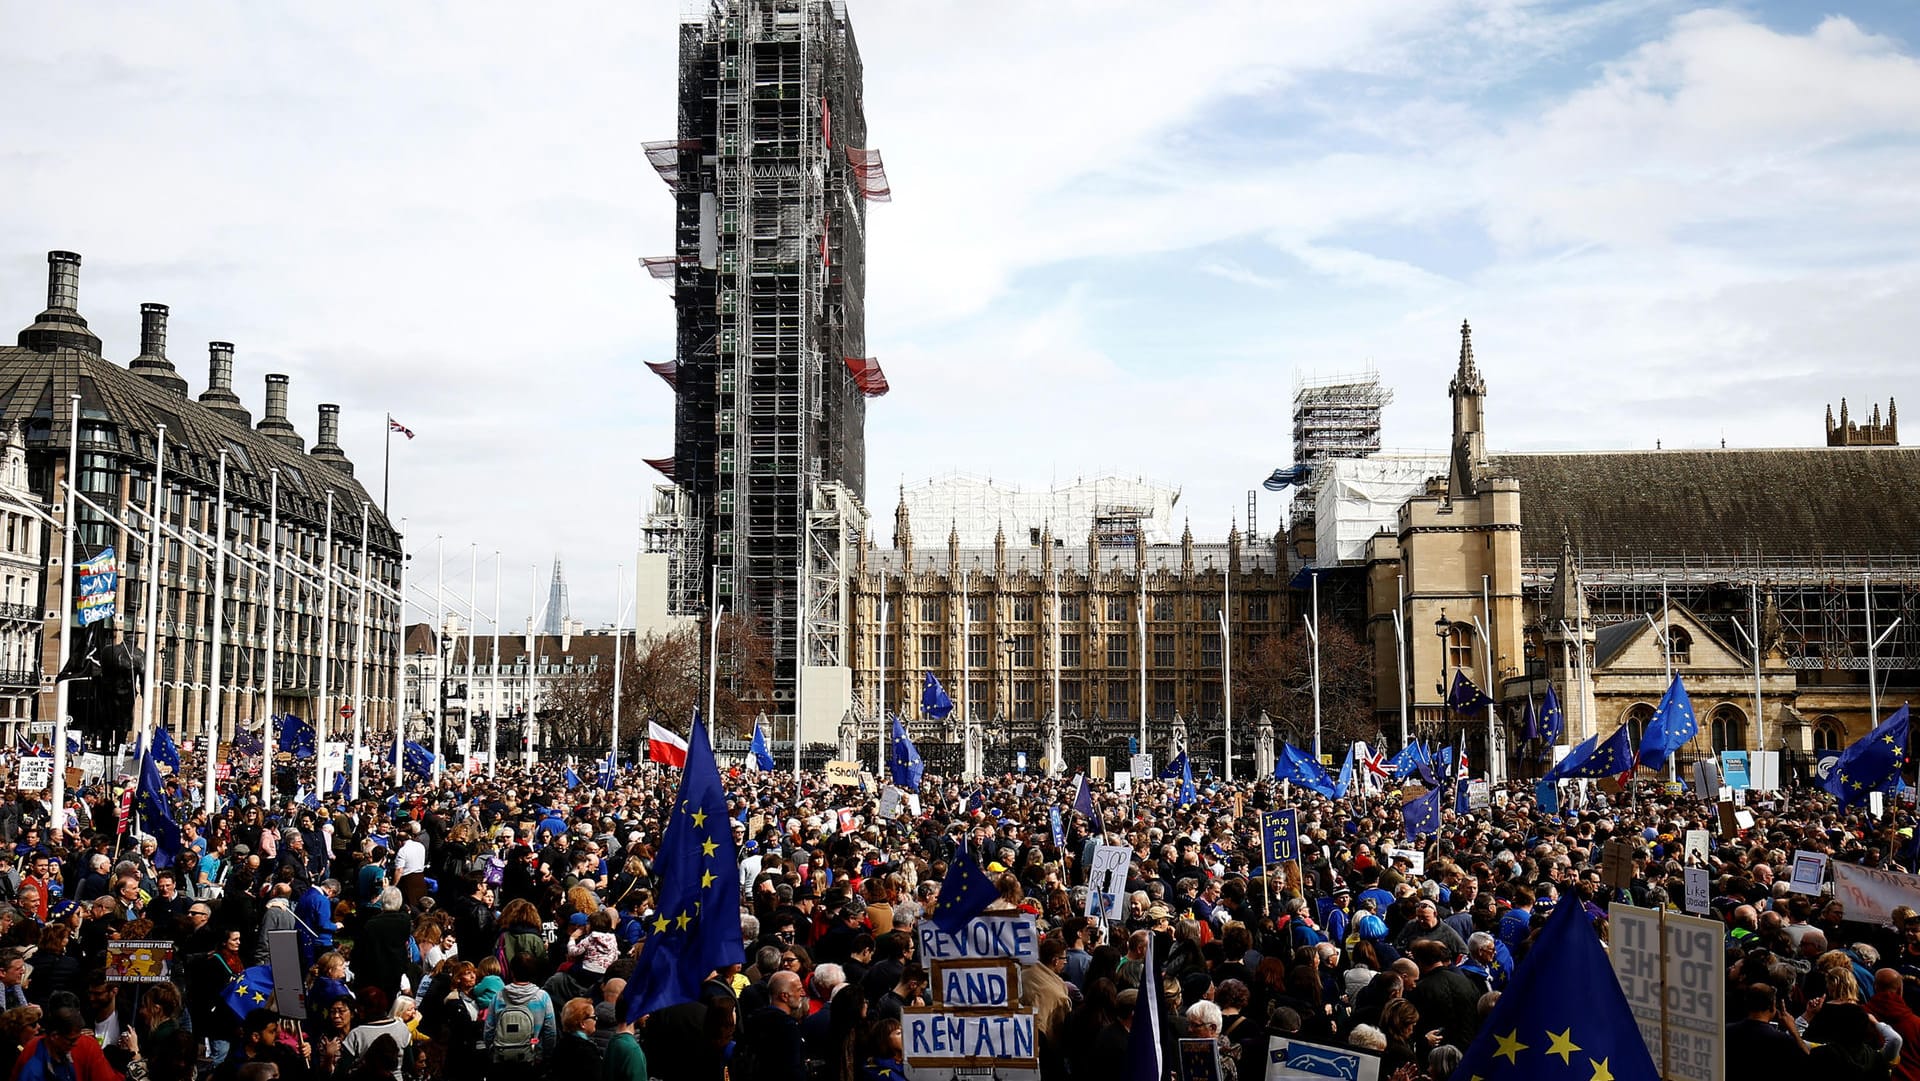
771, 174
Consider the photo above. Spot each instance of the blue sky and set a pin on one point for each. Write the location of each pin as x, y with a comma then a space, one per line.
1120, 231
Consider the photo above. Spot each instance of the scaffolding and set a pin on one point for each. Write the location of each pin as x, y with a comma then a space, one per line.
1333, 417
976, 510
673, 529
769, 285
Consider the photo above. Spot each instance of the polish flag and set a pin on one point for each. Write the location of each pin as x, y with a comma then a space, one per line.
665, 747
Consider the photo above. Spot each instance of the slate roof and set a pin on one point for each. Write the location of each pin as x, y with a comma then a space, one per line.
1801, 503
34, 389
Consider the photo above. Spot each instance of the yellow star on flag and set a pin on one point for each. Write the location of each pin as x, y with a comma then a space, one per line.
683, 920
706, 880
660, 924
707, 848
700, 818
1600, 1071
1510, 1046
1563, 1045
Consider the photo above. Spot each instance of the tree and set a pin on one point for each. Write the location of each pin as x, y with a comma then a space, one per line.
1278, 678
664, 678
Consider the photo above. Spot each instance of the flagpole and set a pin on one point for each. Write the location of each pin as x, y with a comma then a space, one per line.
966, 656
442, 656
1056, 748
619, 642
473, 630
219, 626
62, 689
527, 731
1226, 669
398, 718
1493, 722
360, 659
1400, 652
155, 508
323, 723
713, 655
1314, 627
880, 742
386, 468
1759, 717
1666, 652
493, 713
272, 621
1141, 611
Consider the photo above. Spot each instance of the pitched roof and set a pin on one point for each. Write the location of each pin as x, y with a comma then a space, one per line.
1802, 503
34, 389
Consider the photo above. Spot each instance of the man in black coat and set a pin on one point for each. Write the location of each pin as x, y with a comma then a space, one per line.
774, 1031
1446, 997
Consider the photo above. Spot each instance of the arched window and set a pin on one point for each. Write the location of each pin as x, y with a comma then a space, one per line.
1828, 734
1460, 647
1729, 728
1680, 644
1638, 716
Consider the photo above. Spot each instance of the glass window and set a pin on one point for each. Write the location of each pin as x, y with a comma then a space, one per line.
1023, 609
977, 650
978, 609
883, 649
1210, 707
1460, 650
1828, 735
1258, 607
1682, 646
1210, 609
977, 698
1117, 607
1163, 651
1210, 650
1069, 651
1070, 698
1118, 701
1163, 608
933, 609
1023, 698
1070, 609
1023, 650
932, 653
1729, 729
1117, 651
1163, 699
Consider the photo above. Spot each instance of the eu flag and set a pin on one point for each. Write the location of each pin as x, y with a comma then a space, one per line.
1553, 720
1421, 817
152, 815
419, 760
572, 778
1293, 764
165, 751
251, 990
1187, 794
607, 770
1083, 796
696, 924
762, 754
1563, 1015
1595, 758
296, 737
1345, 780
934, 701
1672, 726
905, 763
964, 893
1175, 768
1529, 720
1403, 763
1465, 697
1870, 762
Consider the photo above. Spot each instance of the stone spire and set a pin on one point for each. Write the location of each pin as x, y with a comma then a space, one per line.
1233, 549
1568, 601
902, 529
1046, 552
953, 544
1000, 550
1469, 392
1186, 549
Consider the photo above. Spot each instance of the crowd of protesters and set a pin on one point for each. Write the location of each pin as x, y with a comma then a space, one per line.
468, 926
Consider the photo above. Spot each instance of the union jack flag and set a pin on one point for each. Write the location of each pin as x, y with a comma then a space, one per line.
395, 426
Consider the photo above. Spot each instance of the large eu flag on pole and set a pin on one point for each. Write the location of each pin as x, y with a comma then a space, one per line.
905, 763
1672, 726
1553, 719
1293, 764
696, 924
1421, 817
934, 701
1870, 762
153, 815
1143, 1038
418, 760
1564, 1015
762, 754
296, 737
1465, 697
165, 751
965, 893
1595, 758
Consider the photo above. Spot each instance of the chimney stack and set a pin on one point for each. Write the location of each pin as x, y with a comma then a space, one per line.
326, 447
275, 425
152, 363
219, 396
60, 326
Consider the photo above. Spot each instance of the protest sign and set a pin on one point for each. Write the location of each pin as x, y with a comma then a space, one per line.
890, 802
1199, 1059
1107, 882
989, 983
1698, 843
1059, 831
1735, 765
1672, 969
1122, 783
1479, 795
1014, 935
843, 774
1416, 859
1296, 1060
283, 953
1141, 766
1706, 778
36, 774
138, 961
1871, 894
1809, 872
937, 1039
1280, 836
1699, 890
1616, 865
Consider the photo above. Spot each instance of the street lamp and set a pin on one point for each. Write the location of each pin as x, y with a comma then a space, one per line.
1007, 646
1443, 628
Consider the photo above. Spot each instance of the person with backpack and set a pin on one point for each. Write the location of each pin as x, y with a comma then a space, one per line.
521, 1028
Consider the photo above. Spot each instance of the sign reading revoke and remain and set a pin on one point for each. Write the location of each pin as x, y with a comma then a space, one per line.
976, 1022
1673, 971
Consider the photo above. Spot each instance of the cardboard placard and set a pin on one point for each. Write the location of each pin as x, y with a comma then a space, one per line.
1140, 765
36, 775
1107, 882
890, 802
283, 953
977, 983
1122, 783
1871, 894
1616, 865
1698, 844
1014, 935
1699, 890
1296, 1060
936, 1039
1672, 969
1809, 872
132, 961
1417, 858
842, 774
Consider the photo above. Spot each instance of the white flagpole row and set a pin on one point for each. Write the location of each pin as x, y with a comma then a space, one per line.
493, 715
219, 629
152, 616
360, 662
62, 688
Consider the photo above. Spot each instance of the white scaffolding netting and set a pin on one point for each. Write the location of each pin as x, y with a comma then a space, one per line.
980, 508
1359, 497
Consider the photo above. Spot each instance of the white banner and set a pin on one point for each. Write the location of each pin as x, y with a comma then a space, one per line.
1673, 971
1871, 895
36, 774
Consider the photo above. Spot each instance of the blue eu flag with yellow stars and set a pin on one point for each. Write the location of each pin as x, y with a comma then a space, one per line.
696, 924
251, 990
1465, 697
934, 700
1553, 719
1870, 762
1599, 759
1421, 817
905, 764
1539, 1030
1672, 726
1293, 764
964, 893
762, 754
152, 814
